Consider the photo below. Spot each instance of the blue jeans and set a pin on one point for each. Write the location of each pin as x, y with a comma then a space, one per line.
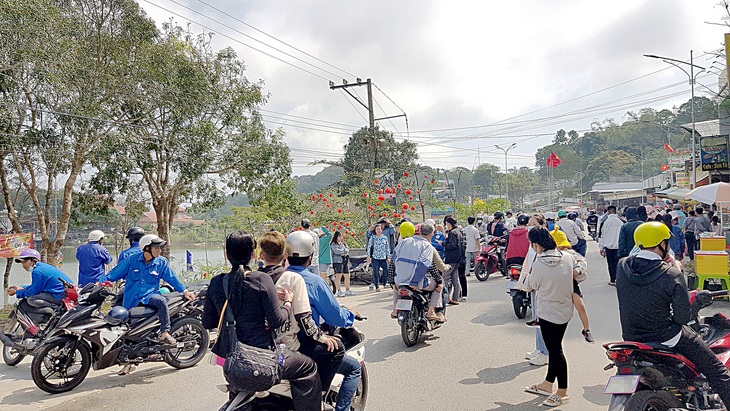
351, 369
539, 342
377, 277
159, 302
581, 247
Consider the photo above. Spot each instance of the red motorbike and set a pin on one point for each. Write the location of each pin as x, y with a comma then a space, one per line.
650, 377
491, 258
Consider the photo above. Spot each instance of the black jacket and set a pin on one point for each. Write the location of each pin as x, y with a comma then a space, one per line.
626, 235
652, 300
454, 251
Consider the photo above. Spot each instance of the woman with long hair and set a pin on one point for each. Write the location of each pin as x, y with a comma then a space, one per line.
341, 261
253, 300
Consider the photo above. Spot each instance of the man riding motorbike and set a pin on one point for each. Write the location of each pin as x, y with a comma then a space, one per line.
654, 305
134, 234
143, 273
518, 243
330, 354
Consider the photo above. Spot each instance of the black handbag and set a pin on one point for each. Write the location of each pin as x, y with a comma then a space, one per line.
247, 368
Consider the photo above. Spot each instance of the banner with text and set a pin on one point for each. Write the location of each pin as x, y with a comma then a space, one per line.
12, 244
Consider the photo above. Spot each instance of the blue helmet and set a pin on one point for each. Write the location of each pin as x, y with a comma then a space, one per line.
117, 315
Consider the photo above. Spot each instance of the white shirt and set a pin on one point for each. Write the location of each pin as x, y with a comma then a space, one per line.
287, 333
472, 238
315, 256
571, 230
610, 230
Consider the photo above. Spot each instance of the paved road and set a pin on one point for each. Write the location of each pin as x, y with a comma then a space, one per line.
474, 362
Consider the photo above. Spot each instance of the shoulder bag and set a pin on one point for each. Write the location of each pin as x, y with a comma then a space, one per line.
247, 368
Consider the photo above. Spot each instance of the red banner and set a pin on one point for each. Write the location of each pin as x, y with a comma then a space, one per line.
12, 244
554, 160
668, 148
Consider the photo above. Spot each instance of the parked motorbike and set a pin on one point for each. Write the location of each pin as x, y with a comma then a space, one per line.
653, 377
27, 328
412, 307
84, 337
279, 396
491, 258
521, 300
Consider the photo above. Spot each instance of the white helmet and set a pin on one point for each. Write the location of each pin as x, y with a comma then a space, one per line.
430, 221
96, 235
151, 239
550, 215
299, 244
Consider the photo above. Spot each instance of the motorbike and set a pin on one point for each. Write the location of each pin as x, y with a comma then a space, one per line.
521, 300
279, 396
27, 328
85, 338
412, 307
652, 377
592, 231
491, 258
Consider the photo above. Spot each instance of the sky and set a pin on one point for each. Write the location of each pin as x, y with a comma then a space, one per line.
468, 75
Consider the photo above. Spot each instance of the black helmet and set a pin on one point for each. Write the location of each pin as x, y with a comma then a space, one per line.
498, 215
135, 233
117, 315
522, 219
306, 223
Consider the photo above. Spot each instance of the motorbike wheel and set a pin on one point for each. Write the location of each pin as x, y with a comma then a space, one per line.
11, 355
480, 272
409, 328
55, 370
649, 400
518, 304
361, 394
190, 331
503, 265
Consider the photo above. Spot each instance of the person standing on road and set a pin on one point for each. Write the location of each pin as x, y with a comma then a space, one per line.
608, 242
654, 305
552, 278
538, 357
471, 234
579, 275
676, 243
455, 254
509, 222
439, 238
378, 252
689, 233
626, 236
680, 215
93, 258
341, 261
325, 252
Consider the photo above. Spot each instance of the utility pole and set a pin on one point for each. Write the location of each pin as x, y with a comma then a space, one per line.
506, 183
371, 112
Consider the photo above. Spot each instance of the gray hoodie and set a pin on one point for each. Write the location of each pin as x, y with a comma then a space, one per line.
552, 276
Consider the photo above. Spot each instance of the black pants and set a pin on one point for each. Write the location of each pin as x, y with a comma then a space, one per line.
557, 365
306, 389
689, 237
612, 260
327, 362
691, 346
462, 278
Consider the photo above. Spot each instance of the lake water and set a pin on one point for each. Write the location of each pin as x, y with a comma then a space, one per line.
215, 257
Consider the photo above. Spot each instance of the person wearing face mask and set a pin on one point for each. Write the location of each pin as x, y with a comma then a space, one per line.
654, 305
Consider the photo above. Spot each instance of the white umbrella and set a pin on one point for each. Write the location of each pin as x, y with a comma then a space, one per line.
710, 194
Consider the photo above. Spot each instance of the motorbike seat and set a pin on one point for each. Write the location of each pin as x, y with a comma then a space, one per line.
141, 311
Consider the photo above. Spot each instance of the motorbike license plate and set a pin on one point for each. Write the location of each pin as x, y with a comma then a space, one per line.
512, 285
622, 384
404, 305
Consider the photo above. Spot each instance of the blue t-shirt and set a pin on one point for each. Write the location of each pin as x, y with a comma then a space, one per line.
134, 249
143, 279
323, 302
92, 259
44, 279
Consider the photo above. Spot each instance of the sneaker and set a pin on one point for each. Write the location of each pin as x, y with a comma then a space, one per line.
462, 299
530, 355
612, 283
350, 292
539, 360
387, 285
588, 336
452, 302
377, 289
371, 286
533, 323
340, 293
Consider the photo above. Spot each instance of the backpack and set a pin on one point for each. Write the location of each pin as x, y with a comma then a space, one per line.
462, 244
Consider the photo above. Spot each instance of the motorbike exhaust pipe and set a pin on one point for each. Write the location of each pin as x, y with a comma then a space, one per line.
7, 341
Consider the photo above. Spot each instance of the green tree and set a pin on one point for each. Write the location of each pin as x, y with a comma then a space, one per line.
486, 176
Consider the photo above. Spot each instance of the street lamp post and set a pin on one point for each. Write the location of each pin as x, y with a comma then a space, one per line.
506, 182
691, 74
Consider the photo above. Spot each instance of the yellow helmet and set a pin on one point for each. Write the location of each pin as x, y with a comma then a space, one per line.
560, 238
407, 229
651, 234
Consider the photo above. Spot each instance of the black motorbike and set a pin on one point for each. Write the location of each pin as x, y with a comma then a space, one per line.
521, 300
412, 307
31, 320
85, 337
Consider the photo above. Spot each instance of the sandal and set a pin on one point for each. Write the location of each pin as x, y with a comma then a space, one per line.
534, 389
556, 400
432, 317
393, 316
127, 369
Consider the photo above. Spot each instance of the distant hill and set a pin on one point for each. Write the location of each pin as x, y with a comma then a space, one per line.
312, 183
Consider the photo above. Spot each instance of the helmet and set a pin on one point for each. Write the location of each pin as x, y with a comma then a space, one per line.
299, 244
135, 233
593, 212
318, 231
96, 235
560, 238
550, 215
522, 219
562, 213
151, 240
498, 215
26, 254
306, 223
651, 234
573, 215
117, 315
430, 221
407, 229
